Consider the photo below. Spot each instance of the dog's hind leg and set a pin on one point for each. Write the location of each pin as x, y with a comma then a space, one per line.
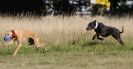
45, 48
118, 38
120, 41
38, 44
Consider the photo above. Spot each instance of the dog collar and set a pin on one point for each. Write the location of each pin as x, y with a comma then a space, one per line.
13, 34
96, 25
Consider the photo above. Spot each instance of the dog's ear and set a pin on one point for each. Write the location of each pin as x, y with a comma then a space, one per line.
95, 21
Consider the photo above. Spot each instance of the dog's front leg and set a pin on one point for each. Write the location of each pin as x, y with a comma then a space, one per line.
45, 48
94, 37
18, 47
99, 37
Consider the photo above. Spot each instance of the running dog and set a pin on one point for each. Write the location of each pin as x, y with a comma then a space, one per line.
104, 31
20, 36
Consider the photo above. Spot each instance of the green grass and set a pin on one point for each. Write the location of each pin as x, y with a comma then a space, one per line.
83, 54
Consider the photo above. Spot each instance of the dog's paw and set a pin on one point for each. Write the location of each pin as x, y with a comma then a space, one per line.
93, 38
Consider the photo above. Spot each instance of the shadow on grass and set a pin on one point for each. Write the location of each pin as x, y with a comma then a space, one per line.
96, 43
90, 43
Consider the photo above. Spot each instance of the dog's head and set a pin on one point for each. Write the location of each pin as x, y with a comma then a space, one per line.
92, 25
9, 35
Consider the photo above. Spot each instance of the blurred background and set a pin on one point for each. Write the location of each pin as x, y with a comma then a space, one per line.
66, 7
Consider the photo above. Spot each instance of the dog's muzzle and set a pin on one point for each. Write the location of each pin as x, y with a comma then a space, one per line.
88, 29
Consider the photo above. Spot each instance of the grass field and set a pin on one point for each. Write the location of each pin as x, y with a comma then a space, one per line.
69, 44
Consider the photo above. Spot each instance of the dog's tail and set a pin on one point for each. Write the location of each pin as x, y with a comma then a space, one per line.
122, 29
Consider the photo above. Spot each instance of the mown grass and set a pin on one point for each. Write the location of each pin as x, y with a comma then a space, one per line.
79, 56
69, 44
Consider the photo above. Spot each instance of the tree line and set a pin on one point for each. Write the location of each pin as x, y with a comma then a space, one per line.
62, 7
